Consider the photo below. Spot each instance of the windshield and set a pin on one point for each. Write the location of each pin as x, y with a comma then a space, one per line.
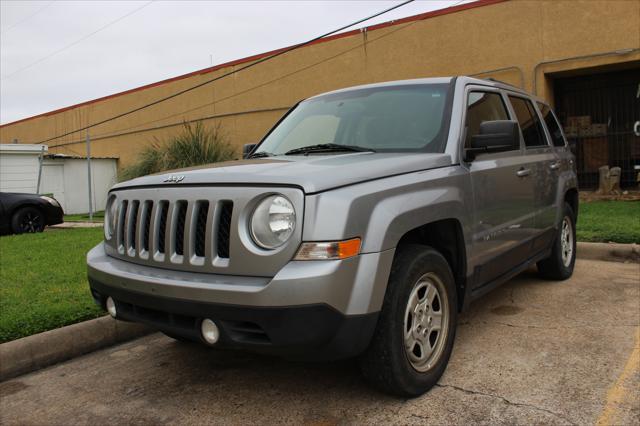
382, 119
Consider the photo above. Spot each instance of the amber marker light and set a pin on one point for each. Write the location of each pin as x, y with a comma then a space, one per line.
331, 250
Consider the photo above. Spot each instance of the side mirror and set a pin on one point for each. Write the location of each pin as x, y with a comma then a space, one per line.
247, 149
494, 136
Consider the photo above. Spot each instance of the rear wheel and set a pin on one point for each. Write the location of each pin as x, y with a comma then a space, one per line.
27, 219
559, 266
416, 329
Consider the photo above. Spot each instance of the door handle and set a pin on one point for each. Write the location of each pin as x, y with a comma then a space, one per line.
523, 172
554, 166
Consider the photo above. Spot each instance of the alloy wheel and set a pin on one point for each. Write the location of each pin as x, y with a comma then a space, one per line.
426, 322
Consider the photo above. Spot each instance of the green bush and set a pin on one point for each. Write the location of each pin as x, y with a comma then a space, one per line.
194, 146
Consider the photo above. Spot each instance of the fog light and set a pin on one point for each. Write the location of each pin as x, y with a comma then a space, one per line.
111, 307
210, 331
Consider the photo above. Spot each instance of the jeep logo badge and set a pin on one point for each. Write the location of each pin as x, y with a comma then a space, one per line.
174, 179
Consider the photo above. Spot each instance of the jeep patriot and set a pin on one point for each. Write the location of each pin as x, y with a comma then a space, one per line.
361, 225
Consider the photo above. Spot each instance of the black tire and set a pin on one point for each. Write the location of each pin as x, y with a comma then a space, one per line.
386, 363
555, 267
27, 220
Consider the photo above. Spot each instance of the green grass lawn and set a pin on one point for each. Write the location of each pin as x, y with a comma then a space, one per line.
84, 217
43, 281
609, 221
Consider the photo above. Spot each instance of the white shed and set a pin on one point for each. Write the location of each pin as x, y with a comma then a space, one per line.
19, 165
63, 176
66, 178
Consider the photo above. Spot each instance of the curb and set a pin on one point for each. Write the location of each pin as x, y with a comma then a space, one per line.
50, 347
611, 252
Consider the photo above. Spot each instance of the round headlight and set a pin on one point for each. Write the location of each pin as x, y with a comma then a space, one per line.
110, 216
273, 222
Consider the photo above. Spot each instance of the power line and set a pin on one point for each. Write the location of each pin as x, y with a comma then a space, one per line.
81, 39
129, 130
28, 17
137, 127
253, 64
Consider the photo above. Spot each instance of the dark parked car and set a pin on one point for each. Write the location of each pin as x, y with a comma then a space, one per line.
21, 213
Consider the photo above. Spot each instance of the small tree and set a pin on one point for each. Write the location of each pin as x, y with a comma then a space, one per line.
195, 145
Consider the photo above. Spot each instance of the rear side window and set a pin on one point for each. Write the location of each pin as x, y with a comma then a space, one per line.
529, 122
483, 106
552, 125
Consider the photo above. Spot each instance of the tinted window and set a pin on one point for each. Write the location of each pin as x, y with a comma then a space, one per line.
552, 125
388, 119
529, 122
483, 106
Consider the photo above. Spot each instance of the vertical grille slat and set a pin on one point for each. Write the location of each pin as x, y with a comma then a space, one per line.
133, 225
146, 224
201, 227
162, 226
122, 214
224, 229
179, 229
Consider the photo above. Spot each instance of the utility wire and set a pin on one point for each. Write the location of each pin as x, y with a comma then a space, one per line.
130, 129
28, 17
137, 127
252, 64
81, 39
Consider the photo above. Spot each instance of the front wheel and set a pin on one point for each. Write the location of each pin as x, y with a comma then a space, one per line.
559, 266
27, 220
414, 336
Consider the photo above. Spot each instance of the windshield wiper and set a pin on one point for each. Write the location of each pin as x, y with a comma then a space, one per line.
260, 154
328, 147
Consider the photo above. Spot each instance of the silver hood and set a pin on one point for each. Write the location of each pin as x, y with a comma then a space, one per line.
312, 173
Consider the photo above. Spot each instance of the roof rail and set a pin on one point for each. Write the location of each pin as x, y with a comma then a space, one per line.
495, 80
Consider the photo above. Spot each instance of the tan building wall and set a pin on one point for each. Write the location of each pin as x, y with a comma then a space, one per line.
525, 42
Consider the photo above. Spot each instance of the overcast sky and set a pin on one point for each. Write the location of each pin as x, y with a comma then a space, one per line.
58, 53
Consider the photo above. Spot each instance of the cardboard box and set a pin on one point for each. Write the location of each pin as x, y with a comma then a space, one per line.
599, 129
579, 121
571, 131
595, 153
585, 131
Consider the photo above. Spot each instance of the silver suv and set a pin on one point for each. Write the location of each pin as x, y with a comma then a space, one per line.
361, 225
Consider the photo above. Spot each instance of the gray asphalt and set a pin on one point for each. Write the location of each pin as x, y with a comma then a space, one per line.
531, 352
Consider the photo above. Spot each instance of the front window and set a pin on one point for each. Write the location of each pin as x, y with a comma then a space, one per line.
382, 119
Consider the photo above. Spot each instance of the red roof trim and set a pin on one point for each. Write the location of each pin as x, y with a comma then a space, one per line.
427, 15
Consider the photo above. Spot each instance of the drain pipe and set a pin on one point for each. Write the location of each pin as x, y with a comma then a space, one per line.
577, 58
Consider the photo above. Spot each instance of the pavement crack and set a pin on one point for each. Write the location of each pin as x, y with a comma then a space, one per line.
531, 326
506, 401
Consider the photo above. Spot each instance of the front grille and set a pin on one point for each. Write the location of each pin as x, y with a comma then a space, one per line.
184, 231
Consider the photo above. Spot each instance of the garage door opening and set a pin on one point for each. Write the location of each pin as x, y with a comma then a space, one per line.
599, 113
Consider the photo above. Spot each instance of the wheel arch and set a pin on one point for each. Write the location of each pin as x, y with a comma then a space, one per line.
571, 197
445, 236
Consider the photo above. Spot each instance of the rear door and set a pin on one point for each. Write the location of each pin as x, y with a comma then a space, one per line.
542, 161
502, 193
562, 161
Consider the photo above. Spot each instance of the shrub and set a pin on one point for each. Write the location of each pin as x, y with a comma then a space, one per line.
194, 146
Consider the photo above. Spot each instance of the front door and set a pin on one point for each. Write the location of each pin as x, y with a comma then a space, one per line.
502, 187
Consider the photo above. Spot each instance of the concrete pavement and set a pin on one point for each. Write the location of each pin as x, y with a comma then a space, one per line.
531, 352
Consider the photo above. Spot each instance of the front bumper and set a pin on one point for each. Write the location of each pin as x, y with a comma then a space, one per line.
310, 310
